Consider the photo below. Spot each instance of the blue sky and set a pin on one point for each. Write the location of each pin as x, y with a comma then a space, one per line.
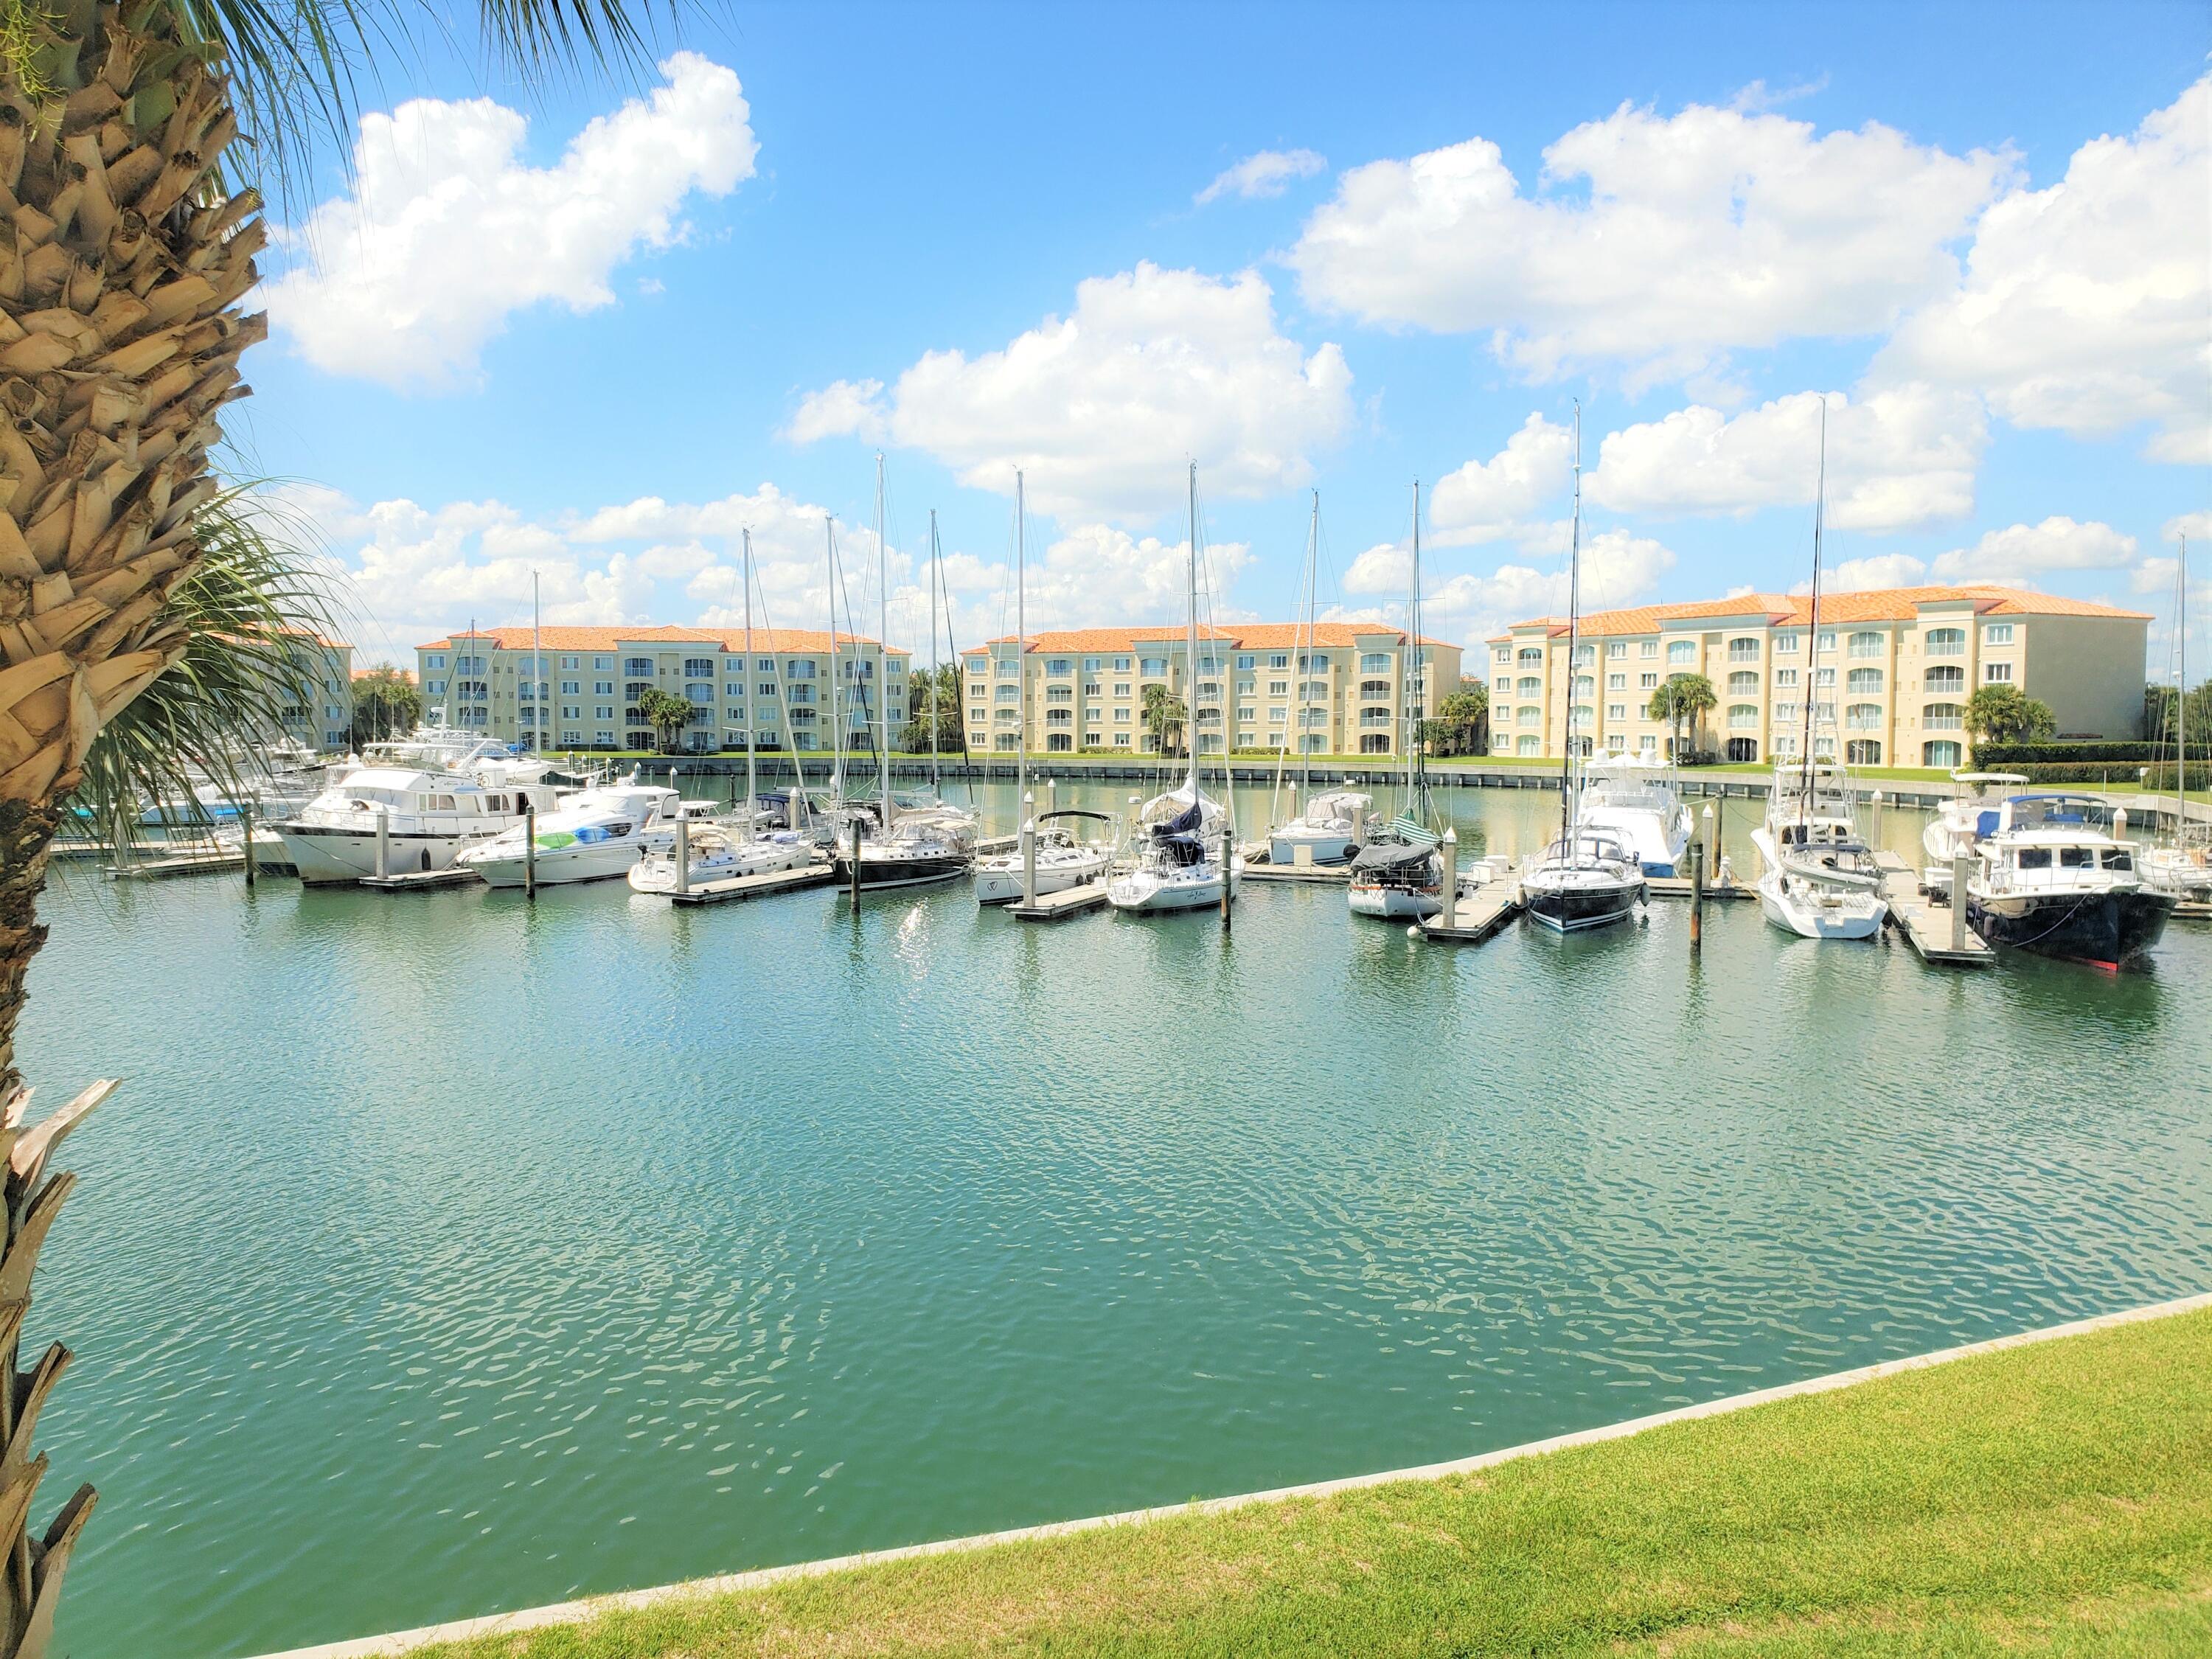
972, 236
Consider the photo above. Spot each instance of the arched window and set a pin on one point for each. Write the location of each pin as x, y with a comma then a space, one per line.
1944, 717
1375, 688
1743, 717
1946, 679
1865, 682
1375, 662
1680, 652
1865, 645
1943, 753
1531, 655
1530, 685
1947, 643
1743, 649
1862, 751
635, 666
1744, 684
1863, 717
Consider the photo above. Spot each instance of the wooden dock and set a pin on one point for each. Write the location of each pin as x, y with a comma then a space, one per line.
201, 858
1326, 874
737, 888
1069, 902
423, 881
1477, 916
1938, 932
1678, 887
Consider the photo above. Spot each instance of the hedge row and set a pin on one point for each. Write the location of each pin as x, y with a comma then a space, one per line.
2099, 772
2011, 756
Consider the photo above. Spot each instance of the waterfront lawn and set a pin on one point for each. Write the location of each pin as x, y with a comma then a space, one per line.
2055, 1498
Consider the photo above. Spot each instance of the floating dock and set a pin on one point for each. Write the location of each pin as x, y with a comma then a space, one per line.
421, 881
737, 888
1678, 887
1326, 874
207, 858
1477, 916
1069, 902
1938, 932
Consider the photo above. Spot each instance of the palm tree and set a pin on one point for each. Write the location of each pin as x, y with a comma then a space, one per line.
667, 714
1162, 713
145, 608
1683, 700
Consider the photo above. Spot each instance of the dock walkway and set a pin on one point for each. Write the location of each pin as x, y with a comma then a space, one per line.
1938, 933
1477, 916
740, 888
1069, 901
421, 881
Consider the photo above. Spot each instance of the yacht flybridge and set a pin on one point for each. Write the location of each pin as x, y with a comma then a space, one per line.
1634, 801
1178, 859
2050, 877
1976, 799
1588, 876
393, 820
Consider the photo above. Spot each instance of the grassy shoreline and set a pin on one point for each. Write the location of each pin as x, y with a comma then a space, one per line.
2051, 1498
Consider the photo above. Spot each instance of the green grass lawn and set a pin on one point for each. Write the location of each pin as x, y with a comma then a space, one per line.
2051, 1499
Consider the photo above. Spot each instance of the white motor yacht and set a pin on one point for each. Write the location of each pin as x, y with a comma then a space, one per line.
1971, 813
1588, 880
590, 836
1177, 864
394, 820
2051, 879
721, 853
1063, 860
1812, 908
1333, 827
2183, 866
1634, 801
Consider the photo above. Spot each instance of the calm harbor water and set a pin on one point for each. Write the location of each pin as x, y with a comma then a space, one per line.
443, 1255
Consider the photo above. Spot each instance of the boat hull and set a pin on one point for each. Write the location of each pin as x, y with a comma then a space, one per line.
2108, 930
329, 857
1575, 909
599, 862
1325, 849
1395, 904
1143, 893
996, 883
1857, 919
658, 875
922, 871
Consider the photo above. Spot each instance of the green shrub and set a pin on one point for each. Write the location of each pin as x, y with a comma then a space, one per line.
2012, 756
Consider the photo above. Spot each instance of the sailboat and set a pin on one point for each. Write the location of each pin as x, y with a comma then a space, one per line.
722, 851
1178, 861
922, 844
1329, 827
2183, 865
1818, 879
1059, 859
1587, 877
1400, 874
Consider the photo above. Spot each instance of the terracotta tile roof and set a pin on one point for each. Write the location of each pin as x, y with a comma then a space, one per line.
1258, 636
1875, 604
608, 639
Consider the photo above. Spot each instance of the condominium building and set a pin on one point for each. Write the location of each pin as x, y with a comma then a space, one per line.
1337, 688
323, 718
1888, 673
795, 685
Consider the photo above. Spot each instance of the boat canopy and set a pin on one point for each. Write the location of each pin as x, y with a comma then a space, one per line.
1390, 855
1182, 824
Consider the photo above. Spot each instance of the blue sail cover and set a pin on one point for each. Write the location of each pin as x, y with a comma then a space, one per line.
1183, 825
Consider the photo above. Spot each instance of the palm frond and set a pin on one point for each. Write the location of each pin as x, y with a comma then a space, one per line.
257, 596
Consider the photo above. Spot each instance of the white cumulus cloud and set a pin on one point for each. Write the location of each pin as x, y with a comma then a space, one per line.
1484, 501
1101, 407
2023, 551
448, 233
1876, 570
1899, 457
1268, 172
2084, 306
1618, 567
1656, 243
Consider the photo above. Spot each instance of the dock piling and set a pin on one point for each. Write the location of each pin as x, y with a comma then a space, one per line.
383, 843
530, 851
1959, 900
1448, 917
1228, 878
683, 855
1697, 892
246, 829
856, 864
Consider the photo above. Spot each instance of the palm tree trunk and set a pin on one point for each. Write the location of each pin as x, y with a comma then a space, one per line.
119, 343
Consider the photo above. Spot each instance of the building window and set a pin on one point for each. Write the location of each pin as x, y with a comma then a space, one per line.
1682, 652
698, 668
1375, 662
1530, 685
1616, 682
1648, 649
1997, 634
1824, 677
1743, 717
1527, 746
1616, 711
1862, 751
1863, 717
1743, 683
1948, 642
1058, 668
1532, 656
1785, 678
1866, 682
1944, 717
1529, 716
1944, 679
1787, 645
1997, 673
1647, 682
1504, 656
637, 667
1827, 642
1155, 667
1864, 645
1743, 650
1943, 753
1373, 688
1616, 648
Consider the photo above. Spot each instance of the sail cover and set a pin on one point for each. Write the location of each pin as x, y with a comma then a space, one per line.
1389, 856
1183, 823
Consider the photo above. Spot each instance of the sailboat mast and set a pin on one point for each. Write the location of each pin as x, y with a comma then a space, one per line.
836, 730
1568, 803
1812, 632
537, 671
1412, 663
1305, 659
753, 781
1190, 712
2181, 696
1021, 643
882, 649
929, 705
